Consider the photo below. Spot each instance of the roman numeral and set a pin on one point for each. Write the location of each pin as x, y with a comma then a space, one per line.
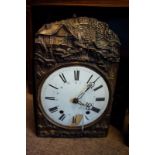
54, 109
53, 86
89, 78
74, 120
98, 87
95, 109
62, 117
63, 78
86, 117
76, 75
77, 119
100, 99
50, 98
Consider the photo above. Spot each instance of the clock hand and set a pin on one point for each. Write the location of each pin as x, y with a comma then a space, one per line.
93, 83
80, 103
77, 101
88, 87
87, 105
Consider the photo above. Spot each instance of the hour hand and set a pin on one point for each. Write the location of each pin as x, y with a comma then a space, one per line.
79, 102
76, 101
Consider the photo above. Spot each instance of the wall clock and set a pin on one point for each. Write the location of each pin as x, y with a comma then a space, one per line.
75, 68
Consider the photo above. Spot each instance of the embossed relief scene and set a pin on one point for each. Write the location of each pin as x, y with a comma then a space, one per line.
80, 39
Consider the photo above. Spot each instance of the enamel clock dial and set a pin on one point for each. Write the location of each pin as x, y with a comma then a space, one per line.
74, 96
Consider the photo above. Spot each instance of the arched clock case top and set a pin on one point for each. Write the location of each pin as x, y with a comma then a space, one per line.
78, 41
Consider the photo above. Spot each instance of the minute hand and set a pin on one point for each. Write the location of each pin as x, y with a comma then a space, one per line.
88, 87
93, 83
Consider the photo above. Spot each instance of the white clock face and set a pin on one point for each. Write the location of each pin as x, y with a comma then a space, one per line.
74, 96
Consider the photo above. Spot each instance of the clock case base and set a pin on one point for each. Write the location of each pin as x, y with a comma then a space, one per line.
61, 133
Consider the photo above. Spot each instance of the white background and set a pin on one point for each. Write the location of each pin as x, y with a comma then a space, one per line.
142, 77
13, 77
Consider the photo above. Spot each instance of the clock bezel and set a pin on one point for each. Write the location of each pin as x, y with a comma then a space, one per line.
92, 67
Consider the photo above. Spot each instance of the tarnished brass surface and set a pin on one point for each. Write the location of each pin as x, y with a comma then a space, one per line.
82, 41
